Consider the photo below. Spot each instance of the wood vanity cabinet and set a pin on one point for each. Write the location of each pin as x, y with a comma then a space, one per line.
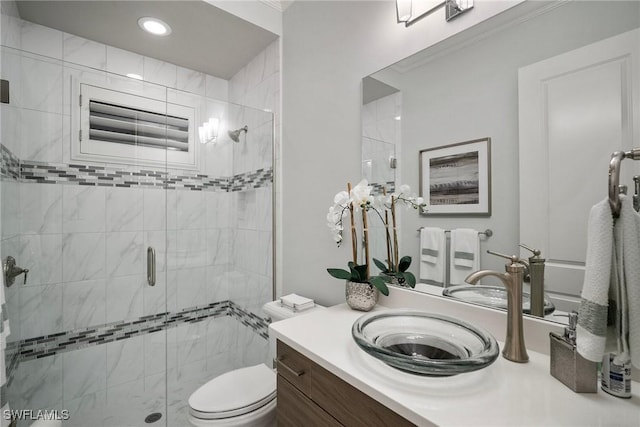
311, 396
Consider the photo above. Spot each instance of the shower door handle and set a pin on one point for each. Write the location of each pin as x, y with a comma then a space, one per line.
151, 266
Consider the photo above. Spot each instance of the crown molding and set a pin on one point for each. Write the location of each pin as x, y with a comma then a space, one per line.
279, 5
473, 35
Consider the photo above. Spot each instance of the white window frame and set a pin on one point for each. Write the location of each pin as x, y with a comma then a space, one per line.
85, 149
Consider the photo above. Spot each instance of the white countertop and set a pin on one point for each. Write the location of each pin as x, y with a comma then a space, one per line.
503, 394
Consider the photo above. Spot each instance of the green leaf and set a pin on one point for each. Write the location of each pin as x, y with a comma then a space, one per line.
362, 271
381, 265
379, 283
358, 272
339, 273
409, 279
404, 263
354, 276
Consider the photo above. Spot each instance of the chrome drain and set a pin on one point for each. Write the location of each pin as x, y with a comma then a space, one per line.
152, 418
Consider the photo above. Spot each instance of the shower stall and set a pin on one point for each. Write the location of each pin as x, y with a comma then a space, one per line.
149, 254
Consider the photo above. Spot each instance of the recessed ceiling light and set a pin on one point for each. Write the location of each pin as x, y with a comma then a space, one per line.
134, 76
154, 26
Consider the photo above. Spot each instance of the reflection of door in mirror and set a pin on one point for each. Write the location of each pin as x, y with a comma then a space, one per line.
577, 105
381, 104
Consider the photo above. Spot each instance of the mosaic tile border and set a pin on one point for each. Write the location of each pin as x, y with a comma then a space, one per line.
62, 342
260, 325
379, 187
109, 176
9, 164
12, 360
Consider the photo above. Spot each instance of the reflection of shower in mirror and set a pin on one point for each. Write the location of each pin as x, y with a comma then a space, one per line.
235, 134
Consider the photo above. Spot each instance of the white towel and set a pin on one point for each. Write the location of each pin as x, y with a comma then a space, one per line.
464, 256
297, 302
612, 271
591, 332
432, 255
627, 247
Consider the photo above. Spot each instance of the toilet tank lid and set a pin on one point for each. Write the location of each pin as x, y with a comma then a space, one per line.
276, 311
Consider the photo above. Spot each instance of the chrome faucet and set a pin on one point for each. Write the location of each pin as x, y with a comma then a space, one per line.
514, 348
535, 267
11, 270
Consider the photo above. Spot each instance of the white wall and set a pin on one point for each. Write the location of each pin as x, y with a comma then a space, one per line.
328, 47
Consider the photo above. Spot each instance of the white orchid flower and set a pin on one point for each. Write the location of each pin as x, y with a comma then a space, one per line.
404, 189
342, 198
333, 216
361, 194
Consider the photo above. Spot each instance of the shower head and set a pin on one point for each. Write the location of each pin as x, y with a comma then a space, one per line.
235, 134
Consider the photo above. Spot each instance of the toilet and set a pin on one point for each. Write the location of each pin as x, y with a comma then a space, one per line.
245, 396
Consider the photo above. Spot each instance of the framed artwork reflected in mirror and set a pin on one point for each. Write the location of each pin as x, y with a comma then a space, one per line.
456, 179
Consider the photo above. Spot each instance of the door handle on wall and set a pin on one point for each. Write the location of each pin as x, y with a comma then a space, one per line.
151, 266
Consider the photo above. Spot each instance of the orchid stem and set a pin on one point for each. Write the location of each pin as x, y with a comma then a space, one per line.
365, 231
386, 226
395, 233
354, 241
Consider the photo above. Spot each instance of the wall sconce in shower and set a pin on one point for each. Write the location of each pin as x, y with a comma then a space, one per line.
410, 11
208, 132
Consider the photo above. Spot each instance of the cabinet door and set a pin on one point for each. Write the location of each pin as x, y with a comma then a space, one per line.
295, 409
349, 405
302, 382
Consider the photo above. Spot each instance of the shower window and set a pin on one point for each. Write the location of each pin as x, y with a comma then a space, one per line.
133, 129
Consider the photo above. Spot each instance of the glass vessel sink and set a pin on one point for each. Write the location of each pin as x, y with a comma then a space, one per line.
423, 343
492, 296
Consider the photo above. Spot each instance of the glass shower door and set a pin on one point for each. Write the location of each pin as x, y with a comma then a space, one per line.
92, 340
88, 332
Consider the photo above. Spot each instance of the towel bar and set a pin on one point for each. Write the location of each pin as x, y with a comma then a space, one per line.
614, 177
488, 232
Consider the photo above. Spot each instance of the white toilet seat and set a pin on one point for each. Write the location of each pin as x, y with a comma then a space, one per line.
232, 413
234, 394
263, 417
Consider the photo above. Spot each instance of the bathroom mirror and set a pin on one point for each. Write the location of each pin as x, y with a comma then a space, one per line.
474, 85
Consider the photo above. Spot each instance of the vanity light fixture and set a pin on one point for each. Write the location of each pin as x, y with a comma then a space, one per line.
154, 26
410, 11
208, 132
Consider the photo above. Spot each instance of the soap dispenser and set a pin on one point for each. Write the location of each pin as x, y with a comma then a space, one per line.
536, 275
569, 367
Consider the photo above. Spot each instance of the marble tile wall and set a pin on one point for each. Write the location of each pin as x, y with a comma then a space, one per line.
256, 85
380, 141
121, 382
86, 245
381, 121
